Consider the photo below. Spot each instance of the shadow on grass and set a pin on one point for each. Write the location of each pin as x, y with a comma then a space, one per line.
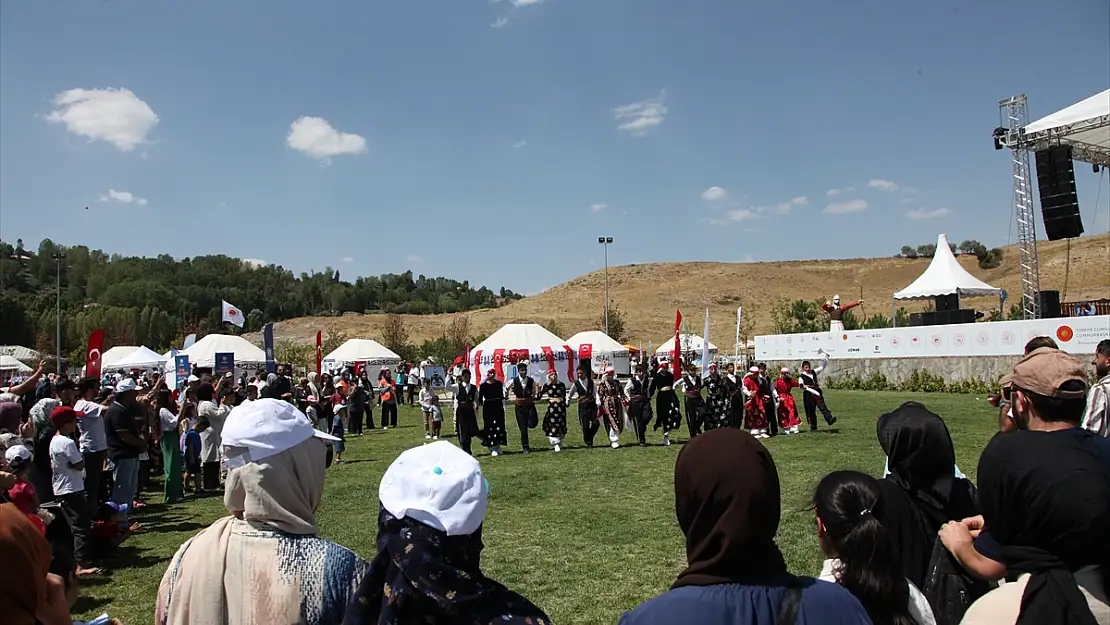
180, 526
89, 604
127, 557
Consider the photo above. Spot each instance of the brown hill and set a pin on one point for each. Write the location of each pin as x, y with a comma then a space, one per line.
649, 294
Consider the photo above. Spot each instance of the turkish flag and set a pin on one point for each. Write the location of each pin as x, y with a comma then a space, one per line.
585, 351
319, 350
93, 352
676, 367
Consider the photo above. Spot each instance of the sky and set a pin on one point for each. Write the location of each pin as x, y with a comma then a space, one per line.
495, 141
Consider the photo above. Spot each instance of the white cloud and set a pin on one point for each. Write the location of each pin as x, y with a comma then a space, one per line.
221, 204
742, 214
116, 116
921, 213
597, 208
347, 259
714, 194
520, 144
851, 206
525, 3
883, 185
255, 262
413, 258
500, 22
317, 138
839, 191
122, 197
639, 117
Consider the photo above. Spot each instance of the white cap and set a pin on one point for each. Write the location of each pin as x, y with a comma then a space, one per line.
438, 485
193, 378
18, 453
784, 370
266, 427
753, 369
127, 385
836, 298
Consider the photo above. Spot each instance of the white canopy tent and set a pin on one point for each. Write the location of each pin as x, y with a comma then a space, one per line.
141, 358
602, 351
1085, 126
11, 363
371, 354
528, 342
110, 358
203, 352
690, 345
944, 276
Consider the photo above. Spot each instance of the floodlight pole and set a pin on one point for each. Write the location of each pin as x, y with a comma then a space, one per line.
58, 258
605, 242
1015, 113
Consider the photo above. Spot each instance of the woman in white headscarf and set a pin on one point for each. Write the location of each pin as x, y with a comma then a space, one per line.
264, 564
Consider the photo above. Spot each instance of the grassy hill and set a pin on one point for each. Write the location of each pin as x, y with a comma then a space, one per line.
649, 294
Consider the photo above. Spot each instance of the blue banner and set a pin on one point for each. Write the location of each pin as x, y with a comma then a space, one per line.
268, 341
182, 369
225, 363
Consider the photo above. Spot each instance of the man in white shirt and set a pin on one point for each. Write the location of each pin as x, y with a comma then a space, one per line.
66, 464
92, 441
1097, 416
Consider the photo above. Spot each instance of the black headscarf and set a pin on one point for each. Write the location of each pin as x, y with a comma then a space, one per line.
922, 492
727, 500
1046, 501
422, 575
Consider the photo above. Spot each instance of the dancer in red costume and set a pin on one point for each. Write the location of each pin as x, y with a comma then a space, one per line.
755, 415
788, 412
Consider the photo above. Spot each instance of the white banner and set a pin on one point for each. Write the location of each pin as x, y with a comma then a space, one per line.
565, 361
1076, 335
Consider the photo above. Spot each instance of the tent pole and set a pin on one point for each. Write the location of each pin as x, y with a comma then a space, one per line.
893, 313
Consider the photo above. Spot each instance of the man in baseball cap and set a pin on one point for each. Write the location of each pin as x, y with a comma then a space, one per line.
1049, 391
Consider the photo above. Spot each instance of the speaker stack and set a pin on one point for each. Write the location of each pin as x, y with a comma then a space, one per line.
1059, 203
1049, 303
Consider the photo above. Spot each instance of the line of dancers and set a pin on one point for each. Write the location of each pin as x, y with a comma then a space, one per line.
753, 402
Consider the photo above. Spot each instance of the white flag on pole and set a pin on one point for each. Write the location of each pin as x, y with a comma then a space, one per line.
233, 315
705, 347
739, 314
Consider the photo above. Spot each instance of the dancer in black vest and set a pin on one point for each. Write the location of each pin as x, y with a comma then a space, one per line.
491, 398
639, 405
466, 420
812, 397
735, 397
524, 396
695, 405
555, 420
584, 390
716, 400
610, 395
769, 397
667, 413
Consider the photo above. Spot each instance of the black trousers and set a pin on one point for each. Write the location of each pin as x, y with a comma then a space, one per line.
389, 415
526, 416
94, 470
354, 421
695, 413
812, 403
587, 418
211, 473
369, 417
772, 418
76, 511
736, 410
639, 413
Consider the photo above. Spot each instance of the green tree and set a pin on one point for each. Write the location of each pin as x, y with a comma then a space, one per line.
909, 252
616, 329
797, 316
395, 334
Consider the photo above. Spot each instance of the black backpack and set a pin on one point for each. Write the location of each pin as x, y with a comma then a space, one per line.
949, 589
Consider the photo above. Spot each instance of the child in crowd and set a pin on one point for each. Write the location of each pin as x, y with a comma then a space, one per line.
190, 448
433, 416
68, 482
310, 411
337, 430
23, 494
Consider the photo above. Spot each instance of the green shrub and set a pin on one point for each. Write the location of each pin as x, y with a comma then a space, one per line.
918, 382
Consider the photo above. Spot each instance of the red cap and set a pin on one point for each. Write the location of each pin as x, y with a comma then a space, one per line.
63, 415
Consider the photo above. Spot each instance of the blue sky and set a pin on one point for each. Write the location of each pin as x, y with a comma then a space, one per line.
494, 141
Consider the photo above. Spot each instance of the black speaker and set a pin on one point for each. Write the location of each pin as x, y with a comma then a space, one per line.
946, 302
1049, 302
963, 315
917, 319
1059, 203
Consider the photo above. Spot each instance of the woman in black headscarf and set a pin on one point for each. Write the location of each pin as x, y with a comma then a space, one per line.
1046, 502
727, 502
922, 492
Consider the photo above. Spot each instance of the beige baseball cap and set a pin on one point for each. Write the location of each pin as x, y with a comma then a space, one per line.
1045, 370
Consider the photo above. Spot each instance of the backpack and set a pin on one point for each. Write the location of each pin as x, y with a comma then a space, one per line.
949, 589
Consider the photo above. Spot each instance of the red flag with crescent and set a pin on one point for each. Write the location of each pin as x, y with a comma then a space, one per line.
570, 362
676, 367
319, 351
549, 356
498, 356
93, 352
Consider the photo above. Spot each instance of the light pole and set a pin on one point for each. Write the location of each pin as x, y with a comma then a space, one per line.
58, 258
605, 242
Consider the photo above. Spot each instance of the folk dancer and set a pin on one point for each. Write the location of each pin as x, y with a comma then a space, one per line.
695, 405
555, 419
813, 398
755, 417
667, 414
466, 419
787, 411
716, 399
770, 399
491, 398
639, 405
612, 400
836, 312
524, 396
735, 397
586, 392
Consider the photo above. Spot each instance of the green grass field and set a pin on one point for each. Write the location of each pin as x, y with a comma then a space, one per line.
584, 533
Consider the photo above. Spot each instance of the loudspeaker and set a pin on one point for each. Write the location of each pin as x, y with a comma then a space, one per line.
946, 302
917, 319
1059, 203
1049, 302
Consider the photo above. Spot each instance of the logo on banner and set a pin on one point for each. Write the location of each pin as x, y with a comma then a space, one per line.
958, 340
913, 339
1008, 338
844, 337
788, 339
1065, 333
937, 340
982, 338
894, 342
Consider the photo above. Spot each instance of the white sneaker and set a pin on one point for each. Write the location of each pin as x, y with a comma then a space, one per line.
435, 438
558, 448
427, 436
666, 439
614, 444
385, 427
494, 453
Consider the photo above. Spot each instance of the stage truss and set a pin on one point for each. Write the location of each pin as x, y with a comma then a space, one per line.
1015, 114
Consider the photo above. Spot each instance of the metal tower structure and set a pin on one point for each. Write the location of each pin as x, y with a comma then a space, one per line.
1014, 113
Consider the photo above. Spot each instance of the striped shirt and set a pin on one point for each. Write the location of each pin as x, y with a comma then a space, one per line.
1097, 417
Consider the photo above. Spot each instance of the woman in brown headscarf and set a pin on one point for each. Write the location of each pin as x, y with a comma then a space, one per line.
727, 502
25, 555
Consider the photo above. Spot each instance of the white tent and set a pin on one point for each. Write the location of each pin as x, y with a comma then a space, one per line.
141, 358
690, 345
373, 355
945, 276
110, 358
11, 363
19, 352
602, 351
203, 352
530, 342
1085, 126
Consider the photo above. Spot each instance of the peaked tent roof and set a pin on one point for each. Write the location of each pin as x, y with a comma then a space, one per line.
530, 336
945, 276
112, 356
203, 352
11, 363
1085, 126
19, 352
600, 341
691, 342
362, 350
141, 358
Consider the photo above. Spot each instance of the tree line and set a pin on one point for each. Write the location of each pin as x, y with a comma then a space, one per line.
988, 259
157, 301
